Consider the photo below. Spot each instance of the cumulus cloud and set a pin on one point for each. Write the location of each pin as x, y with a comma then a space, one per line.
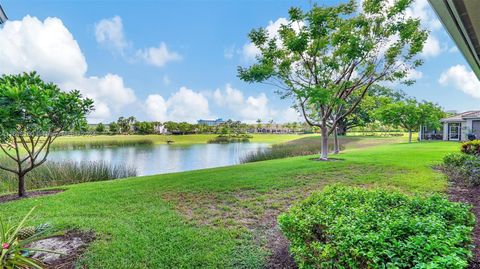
461, 79
250, 51
247, 109
184, 105
158, 56
110, 33
49, 48
431, 47
156, 107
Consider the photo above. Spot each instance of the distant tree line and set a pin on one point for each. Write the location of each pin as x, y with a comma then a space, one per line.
130, 125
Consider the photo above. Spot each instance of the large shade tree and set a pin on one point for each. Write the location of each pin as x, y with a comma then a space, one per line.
33, 114
327, 58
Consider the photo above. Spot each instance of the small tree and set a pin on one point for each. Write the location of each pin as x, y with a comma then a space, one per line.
100, 128
327, 58
411, 115
113, 128
32, 115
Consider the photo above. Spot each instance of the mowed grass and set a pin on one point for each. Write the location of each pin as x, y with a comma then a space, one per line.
212, 218
162, 139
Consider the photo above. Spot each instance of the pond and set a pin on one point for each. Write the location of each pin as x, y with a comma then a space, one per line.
160, 159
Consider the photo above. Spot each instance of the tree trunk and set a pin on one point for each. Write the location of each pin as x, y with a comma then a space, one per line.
21, 186
409, 136
324, 151
341, 128
336, 145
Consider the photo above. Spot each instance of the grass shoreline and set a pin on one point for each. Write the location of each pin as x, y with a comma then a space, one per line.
204, 218
178, 139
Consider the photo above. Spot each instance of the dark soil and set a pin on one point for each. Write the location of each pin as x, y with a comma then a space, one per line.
280, 257
30, 194
470, 195
73, 252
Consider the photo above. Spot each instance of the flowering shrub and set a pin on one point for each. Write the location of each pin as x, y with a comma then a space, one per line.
356, 228
471, 147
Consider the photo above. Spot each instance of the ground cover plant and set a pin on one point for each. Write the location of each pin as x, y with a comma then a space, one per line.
344, 227
223, 217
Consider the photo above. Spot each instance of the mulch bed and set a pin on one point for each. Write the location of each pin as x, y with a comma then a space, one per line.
470, 195
74, 251
30, 194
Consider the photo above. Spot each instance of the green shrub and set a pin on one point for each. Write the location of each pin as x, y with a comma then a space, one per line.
462, 168
225, 139
453, 160
471, 147
344, 227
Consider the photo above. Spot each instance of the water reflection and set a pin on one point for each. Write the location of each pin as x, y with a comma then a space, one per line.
159, 159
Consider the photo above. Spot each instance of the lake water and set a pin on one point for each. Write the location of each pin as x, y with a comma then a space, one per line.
160, 159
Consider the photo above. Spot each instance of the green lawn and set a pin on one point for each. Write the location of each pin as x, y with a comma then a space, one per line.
178, 139
219, 218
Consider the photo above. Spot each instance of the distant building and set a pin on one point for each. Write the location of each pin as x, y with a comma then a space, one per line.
211, 122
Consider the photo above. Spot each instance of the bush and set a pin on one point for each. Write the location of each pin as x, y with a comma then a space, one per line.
456, 160
462, 168
356, 228
471, 147
225, 139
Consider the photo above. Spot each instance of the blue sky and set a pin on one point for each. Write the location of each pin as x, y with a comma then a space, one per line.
177, 60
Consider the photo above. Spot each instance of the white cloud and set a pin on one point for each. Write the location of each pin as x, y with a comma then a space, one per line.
156, 107
49, 48
246, 109
231, 97
109, 32
431, 47
250, 51
461, 79
414, 75
290, 115
421, 9
158, 56
184, 105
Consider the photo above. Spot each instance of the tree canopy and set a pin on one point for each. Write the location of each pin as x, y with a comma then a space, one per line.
327, 58
33, 114
411, 115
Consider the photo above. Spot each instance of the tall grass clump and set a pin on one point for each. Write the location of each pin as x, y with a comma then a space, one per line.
87, 144
299, 147
64, 173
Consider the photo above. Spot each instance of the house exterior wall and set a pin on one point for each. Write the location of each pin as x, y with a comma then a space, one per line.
445, 131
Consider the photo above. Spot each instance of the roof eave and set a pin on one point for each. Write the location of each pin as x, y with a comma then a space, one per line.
3, 16
449, 17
